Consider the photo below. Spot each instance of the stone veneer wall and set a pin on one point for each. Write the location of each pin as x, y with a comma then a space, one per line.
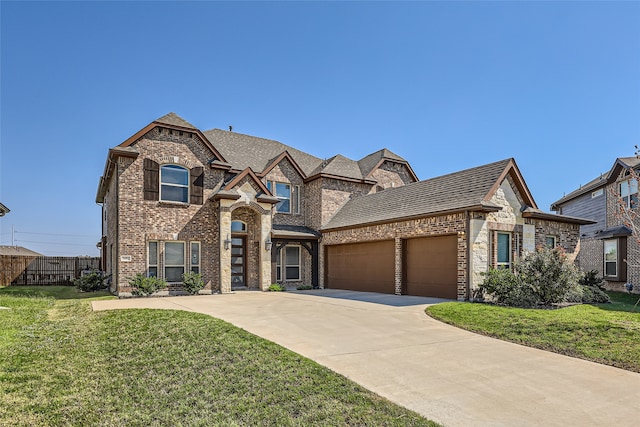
420, 227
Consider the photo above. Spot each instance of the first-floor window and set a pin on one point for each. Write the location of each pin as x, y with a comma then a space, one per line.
611, 257
173, 261
288, 266
504, 250
195, 257
152, 268
550, 242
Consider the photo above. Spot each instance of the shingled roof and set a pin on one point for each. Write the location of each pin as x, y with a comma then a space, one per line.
618, 165
459, 191
243, 151
341, 166
172, 119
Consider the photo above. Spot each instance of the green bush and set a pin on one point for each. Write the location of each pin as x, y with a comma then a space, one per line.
502, 286
145, 286
304, 287
541, 278
276, 287
549, 274
93, 281
192, 282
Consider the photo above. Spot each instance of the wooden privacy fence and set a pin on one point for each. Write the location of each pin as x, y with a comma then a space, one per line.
47, 270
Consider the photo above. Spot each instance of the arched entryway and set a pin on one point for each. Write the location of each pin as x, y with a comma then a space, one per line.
245, 249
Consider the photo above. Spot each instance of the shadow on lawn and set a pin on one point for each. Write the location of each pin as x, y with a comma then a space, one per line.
55, 292
621, 301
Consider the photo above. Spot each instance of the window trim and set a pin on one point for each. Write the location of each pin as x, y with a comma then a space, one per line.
281, 265
164, 258
187, 185
191, 263
273, 187
503, 264
555, 241
620, 261
628, 199
156, 265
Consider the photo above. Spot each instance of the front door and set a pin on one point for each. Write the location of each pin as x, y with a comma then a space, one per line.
238, 261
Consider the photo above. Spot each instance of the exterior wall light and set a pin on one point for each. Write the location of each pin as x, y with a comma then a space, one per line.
268, 244
227, 243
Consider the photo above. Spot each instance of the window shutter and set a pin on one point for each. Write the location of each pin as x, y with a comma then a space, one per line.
151, 180
197, 185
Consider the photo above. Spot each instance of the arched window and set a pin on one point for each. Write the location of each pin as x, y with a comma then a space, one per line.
174, 183
238, 227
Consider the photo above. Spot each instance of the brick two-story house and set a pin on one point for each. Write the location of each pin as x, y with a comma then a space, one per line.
246, 212
607, 245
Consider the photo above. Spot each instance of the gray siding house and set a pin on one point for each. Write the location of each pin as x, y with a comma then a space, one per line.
607, 245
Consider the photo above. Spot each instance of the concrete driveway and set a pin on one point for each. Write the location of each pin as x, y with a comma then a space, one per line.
387, 344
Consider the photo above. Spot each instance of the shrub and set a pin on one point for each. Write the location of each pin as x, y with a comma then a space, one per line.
93, 281
592, 280
549, 274
543, 277
192, 282
276, 287
146, 286
502, 286
304, 287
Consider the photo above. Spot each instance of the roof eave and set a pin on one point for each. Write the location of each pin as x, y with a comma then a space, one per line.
109, 166
558, 218
342, 178
483, 207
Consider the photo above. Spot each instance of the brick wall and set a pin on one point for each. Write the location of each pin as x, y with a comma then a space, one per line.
140, 221
391, 174
420, 227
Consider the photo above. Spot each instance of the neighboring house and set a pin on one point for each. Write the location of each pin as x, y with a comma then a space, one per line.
246, 212
4, 210
606, 245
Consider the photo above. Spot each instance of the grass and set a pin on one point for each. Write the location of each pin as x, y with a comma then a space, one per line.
62, 364
603, 333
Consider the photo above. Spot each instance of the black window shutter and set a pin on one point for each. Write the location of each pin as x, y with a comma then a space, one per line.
151, 180
197, 184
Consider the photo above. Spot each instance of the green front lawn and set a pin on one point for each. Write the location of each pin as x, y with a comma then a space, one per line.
603, 333
62, 364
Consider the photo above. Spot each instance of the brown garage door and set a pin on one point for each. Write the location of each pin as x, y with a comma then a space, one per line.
432, 266
362, 267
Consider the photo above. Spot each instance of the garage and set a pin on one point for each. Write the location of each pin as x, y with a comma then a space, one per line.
366, 267
431, 266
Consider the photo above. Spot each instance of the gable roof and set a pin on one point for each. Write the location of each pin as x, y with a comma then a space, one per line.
459, 191
4, 209
243, 151
18, 251
618, 165
370, 163
339, 166
470, 189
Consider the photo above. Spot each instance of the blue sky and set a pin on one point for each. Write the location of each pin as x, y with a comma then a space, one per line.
447, 85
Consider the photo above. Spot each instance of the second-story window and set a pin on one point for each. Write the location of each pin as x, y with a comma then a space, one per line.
283, 192
174, 184
629, 193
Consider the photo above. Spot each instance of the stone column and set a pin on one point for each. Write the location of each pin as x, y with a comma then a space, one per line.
225, 254
265, 255
398, 266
